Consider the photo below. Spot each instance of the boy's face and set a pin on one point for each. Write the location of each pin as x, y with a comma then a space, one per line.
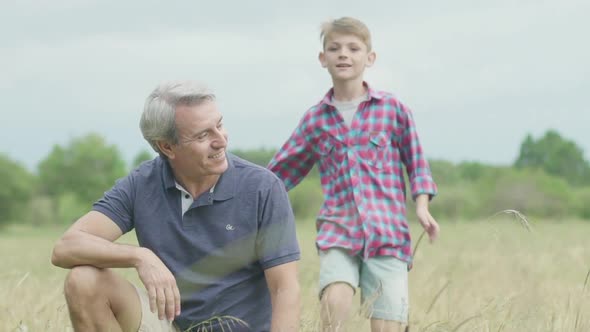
346, 57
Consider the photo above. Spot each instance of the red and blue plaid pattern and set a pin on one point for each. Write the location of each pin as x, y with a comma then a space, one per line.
361, 170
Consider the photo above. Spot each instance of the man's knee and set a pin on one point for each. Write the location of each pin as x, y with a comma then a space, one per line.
83, 282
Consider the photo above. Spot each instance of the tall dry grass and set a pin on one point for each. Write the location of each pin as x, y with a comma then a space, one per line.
491, 275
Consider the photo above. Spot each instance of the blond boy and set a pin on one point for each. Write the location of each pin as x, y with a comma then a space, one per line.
360, 139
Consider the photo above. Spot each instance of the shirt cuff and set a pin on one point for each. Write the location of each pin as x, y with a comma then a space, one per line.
424, 185
280, 260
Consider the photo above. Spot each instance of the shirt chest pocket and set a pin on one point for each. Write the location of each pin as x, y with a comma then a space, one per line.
331, 155
377, 150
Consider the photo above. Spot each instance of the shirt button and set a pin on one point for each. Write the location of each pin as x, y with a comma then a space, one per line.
186, 196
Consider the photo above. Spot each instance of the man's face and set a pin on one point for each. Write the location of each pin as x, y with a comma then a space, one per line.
202, 141
345, 56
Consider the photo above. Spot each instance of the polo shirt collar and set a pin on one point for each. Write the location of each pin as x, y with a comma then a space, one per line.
226, 185
167, 174
224, 188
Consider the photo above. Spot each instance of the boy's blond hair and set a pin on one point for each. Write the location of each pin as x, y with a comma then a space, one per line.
346, 26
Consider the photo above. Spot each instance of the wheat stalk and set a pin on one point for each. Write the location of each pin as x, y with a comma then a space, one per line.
579, 313
437, 296
517, 215
207, 325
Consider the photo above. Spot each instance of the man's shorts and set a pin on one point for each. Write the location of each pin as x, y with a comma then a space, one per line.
149, 320
383, 281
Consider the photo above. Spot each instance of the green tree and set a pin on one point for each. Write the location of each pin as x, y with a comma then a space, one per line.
532, 192
142, 156
444, 172
306, 199
259, 156
86, 167
556, 156
16, 190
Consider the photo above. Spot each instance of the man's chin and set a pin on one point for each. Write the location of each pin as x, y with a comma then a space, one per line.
221, 167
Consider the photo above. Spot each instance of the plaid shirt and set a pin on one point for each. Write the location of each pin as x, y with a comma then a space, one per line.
361, 170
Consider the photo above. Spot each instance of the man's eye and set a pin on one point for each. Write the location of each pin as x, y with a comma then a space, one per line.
332, 49
202, 136
220, 125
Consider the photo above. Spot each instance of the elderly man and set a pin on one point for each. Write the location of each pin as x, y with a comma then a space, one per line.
216, 234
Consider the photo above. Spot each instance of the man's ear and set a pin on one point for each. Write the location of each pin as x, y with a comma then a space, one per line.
166, 149
371, 57
322, 58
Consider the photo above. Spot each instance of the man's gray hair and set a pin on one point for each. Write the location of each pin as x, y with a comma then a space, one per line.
158, 121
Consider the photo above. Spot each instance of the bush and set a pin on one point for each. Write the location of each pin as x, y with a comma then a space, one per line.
582, 203
16, 190
54, 210
70, 208
455, 202
41, 211
307, 198
532, 192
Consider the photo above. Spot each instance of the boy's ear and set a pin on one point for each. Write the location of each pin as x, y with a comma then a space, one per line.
371, 57
322, 58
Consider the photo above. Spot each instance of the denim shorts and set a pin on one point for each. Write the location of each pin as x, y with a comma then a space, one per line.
383, 281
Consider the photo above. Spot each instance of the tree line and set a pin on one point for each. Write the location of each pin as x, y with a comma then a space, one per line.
549, 179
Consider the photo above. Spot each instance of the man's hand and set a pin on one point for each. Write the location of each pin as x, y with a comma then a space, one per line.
160, 284
426, 220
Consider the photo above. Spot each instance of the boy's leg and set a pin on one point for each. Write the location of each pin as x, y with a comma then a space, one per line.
101, 300
384, 293
339, 277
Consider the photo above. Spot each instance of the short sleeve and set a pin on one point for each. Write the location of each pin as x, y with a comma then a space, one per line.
276, 242
117, 203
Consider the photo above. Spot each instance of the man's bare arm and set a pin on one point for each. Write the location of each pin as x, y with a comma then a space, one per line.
90, 241
285, 297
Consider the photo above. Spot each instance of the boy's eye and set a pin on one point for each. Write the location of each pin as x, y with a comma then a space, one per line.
332, 49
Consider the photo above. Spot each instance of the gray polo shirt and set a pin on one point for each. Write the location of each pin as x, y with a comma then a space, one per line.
219, 248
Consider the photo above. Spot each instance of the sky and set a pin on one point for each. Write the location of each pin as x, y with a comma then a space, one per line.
478, 75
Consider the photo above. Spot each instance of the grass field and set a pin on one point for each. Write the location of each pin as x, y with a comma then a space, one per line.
482, 276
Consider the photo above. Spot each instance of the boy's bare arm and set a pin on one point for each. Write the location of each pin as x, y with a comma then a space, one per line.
426, 220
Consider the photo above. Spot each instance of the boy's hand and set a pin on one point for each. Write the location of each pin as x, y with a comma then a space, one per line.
430, 225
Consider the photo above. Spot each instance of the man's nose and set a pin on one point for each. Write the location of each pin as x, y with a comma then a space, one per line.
220, 140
